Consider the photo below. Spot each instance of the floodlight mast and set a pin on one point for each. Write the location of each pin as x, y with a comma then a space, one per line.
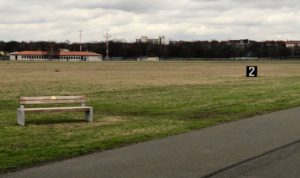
80, 36
107, 36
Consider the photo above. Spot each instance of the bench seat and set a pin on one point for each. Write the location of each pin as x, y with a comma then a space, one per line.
56, 109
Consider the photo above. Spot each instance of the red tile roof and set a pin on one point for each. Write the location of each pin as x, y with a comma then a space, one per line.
31, 53
61, 53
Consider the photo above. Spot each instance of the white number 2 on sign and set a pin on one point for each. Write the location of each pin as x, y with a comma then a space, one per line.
252, 71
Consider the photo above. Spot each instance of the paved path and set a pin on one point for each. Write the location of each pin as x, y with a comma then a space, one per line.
263, 146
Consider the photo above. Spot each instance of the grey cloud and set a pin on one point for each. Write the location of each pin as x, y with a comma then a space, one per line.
180, 19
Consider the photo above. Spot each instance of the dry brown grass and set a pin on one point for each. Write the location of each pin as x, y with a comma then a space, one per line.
118, 75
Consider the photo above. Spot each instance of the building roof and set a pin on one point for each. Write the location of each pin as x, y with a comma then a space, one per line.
78, 53
61, 53
32, 53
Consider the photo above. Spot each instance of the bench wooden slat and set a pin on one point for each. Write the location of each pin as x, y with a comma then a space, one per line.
33, 102
52, 98
57, 109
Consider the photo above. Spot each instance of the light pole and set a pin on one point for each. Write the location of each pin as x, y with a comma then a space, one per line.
80, 36
107, 36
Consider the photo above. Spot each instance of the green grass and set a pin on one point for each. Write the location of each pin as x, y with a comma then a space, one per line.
129, 115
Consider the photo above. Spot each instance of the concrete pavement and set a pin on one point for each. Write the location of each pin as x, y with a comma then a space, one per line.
281, 162
255, 147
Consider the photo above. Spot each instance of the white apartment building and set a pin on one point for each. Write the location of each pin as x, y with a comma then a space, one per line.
161, 40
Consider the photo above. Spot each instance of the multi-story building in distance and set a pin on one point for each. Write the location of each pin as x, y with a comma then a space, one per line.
161, 40
292, 44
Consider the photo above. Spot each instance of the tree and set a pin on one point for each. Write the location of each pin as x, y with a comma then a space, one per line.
52, 51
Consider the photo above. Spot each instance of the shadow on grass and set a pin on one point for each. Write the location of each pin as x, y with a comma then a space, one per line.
44, 119
54, 121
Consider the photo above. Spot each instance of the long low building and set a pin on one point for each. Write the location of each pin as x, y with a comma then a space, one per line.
60, 56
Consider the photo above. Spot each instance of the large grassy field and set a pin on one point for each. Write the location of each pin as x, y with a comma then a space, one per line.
133, 102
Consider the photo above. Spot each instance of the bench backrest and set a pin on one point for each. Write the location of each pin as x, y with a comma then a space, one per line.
52, 100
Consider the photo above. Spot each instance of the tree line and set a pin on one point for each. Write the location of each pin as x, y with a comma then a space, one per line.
176, 49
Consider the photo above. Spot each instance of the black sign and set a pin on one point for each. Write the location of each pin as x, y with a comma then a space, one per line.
252, 71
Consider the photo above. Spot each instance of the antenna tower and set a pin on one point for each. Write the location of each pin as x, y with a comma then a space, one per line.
80, 36
107, 36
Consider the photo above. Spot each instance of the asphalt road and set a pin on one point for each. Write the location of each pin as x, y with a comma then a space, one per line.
263, 146
281, 162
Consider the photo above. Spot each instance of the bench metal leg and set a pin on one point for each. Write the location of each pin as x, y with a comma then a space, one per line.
89, 115
21, 117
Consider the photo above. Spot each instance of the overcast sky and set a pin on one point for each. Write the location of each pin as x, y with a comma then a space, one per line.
60, 20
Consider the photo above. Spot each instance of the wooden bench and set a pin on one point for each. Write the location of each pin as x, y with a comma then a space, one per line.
53, 100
